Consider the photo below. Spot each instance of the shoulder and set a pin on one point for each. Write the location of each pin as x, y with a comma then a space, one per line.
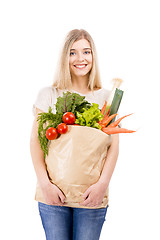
46, 90
45, 98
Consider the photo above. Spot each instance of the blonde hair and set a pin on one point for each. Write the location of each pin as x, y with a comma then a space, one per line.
62, 79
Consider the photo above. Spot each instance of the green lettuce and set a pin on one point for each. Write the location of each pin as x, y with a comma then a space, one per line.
90, 117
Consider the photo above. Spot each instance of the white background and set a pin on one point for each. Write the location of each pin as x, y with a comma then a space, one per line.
126, 34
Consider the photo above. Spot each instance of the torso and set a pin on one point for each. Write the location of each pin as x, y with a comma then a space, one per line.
87, 92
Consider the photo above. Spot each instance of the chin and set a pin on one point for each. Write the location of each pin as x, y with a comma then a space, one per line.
80, 74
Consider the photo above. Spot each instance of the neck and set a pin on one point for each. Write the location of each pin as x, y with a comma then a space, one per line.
80, 83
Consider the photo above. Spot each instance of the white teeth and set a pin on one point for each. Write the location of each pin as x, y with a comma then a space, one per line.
80, 66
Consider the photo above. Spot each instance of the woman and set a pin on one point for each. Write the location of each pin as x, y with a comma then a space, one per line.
77, 72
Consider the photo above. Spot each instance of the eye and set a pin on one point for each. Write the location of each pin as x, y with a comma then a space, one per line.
72, 53
87, 52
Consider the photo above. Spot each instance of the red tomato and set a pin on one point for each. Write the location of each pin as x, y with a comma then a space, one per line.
69, 118
62, 128
51, 133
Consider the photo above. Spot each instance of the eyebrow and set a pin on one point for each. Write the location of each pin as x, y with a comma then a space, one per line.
83, 49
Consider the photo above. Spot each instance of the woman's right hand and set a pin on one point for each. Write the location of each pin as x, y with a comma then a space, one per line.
53, 195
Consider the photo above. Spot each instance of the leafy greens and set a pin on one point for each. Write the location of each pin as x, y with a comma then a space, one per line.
47, 120
90, 117
69, 102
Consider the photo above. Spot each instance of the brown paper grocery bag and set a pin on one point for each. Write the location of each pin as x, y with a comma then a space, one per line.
75, 161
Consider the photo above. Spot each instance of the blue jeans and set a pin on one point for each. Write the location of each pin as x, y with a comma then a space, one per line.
68, 223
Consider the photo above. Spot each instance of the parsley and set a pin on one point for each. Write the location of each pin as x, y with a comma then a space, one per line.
47, 120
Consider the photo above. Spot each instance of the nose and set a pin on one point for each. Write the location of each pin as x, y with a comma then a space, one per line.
80, 57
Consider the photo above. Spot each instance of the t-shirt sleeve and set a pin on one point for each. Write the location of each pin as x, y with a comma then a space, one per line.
43, 100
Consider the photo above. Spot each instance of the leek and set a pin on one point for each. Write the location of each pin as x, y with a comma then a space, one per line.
116, 102
116, 83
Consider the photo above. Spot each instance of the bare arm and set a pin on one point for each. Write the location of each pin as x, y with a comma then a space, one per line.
37, 155
51, 192
110, 162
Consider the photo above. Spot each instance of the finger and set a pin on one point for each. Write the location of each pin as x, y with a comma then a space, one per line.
92, 205
57, 204
62, 197
86, 202
57, 200
86, 193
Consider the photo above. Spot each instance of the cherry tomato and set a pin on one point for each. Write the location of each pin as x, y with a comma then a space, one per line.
51, 133
69, 118
62, 128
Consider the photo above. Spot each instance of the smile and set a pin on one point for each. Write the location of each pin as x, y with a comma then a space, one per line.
80, 66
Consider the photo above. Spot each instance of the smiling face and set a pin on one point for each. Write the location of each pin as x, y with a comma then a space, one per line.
80, 59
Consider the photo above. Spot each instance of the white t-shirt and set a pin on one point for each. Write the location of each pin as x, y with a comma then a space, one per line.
47, 96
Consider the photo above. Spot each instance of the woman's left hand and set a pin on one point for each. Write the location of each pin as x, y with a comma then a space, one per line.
93, 196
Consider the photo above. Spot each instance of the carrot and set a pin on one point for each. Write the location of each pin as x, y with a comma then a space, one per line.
104, 107
102, 125
114, 124
116, 130
107, 119
106, 114
104, 117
